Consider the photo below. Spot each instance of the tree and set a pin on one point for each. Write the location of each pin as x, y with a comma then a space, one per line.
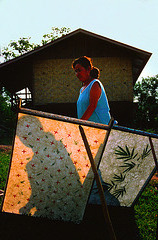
7, 117
146, 95
15, 49
56, 33
23, 45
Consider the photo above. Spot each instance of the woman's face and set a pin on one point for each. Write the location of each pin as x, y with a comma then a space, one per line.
81, 73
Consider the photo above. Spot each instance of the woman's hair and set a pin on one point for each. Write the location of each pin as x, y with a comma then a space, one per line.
95, 72
86, 62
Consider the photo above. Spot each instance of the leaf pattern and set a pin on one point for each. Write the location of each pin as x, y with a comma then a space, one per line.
119, 192
119, 178
125, 154
129, 159
146, 152
109, 185
128, 166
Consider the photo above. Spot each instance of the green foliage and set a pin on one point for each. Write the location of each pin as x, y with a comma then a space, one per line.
14, 49
146, 93
7, 116
4, 165
4, 99
23, 45
56, 33
146, 212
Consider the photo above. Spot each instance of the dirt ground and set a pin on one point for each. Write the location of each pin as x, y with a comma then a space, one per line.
6, 148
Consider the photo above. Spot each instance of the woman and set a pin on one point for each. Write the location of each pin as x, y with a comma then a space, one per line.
92, 104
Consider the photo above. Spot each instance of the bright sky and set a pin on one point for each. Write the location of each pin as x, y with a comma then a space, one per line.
133, 22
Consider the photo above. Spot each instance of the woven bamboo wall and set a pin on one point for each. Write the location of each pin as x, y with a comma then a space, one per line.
55, 80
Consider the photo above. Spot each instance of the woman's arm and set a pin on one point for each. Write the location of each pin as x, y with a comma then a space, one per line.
95, 93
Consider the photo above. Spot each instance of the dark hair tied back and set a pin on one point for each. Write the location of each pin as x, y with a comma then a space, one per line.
86, 62
95, 72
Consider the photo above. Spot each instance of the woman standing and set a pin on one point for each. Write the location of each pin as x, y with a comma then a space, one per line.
92, 104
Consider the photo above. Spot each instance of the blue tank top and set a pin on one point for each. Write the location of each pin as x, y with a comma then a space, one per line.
101, 113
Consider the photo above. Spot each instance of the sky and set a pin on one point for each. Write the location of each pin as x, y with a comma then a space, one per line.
133, 22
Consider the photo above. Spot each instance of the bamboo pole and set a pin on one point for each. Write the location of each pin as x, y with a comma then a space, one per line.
99, 185
62, 118
154, 154
84, 123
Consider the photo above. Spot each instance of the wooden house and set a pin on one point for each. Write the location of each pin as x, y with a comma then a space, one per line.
48, 74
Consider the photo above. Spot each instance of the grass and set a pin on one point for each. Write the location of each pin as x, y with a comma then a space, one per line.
146, 209
4, 165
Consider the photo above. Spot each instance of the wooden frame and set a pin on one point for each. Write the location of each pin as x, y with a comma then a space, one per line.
94, 125
41, 115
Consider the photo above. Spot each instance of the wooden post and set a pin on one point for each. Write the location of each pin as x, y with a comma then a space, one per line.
19, 101
154, 154
98, 181
156, 164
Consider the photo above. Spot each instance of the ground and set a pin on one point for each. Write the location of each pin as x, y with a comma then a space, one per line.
93, 226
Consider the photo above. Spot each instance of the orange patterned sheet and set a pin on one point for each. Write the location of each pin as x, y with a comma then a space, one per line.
50, 174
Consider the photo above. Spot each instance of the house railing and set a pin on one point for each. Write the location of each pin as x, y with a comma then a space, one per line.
26, 98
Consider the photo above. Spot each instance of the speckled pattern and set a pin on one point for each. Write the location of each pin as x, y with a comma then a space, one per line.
50, 173
126, 165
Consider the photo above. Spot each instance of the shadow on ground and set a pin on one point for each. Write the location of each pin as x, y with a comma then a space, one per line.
93, 227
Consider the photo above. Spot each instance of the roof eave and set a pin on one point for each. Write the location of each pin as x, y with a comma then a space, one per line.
69, 35
146, 55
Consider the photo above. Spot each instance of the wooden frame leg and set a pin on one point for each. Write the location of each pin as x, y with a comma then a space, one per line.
154, 154
156, 164
98, 181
